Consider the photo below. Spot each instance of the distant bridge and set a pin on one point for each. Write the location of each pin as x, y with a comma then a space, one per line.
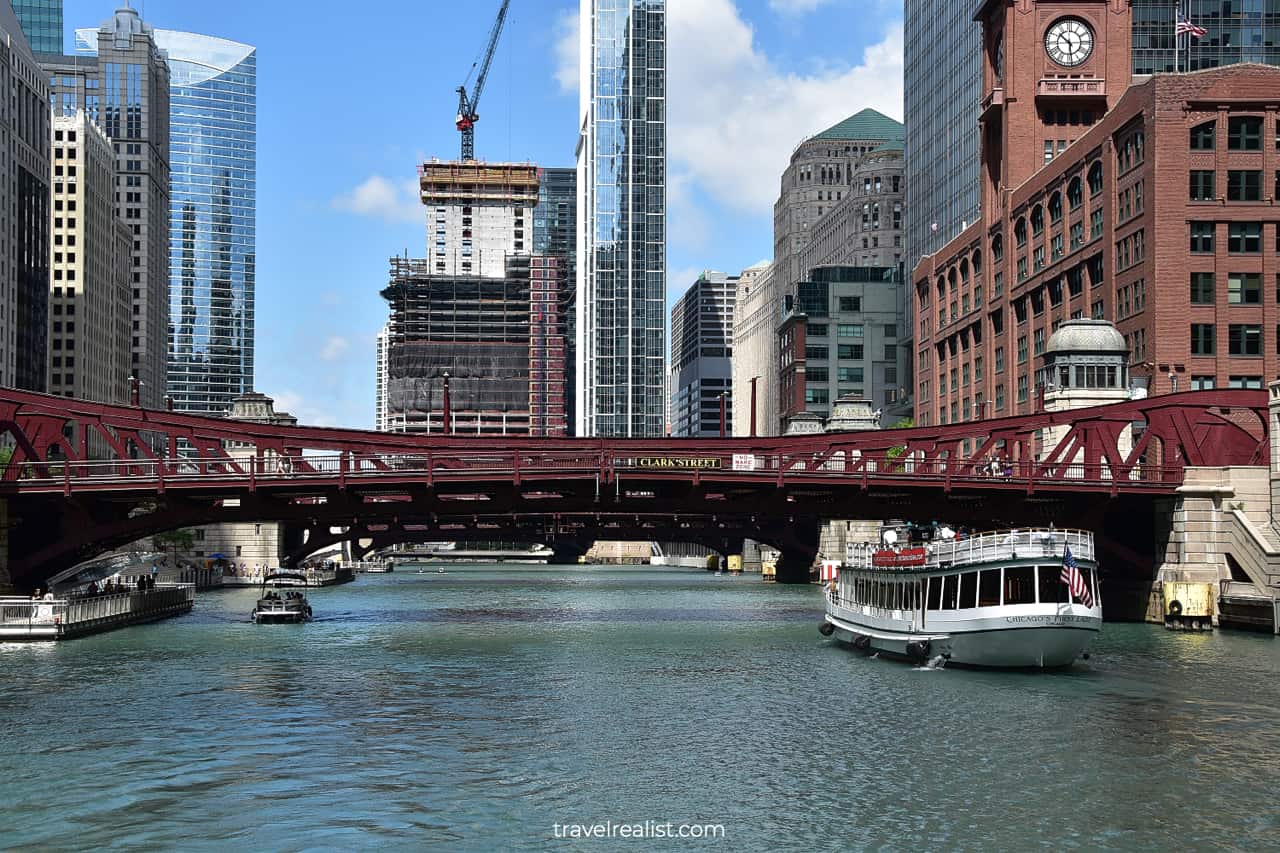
167, 470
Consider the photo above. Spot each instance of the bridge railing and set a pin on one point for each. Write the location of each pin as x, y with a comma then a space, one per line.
840, 465
55, 616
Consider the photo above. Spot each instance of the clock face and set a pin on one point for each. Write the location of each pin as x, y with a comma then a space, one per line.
1069, 42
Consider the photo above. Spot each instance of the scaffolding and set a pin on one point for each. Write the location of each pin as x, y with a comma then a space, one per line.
454, 182
499, 340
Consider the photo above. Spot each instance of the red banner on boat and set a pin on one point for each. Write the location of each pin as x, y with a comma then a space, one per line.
905, 557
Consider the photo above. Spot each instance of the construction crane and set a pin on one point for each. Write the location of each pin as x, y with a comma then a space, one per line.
469, 105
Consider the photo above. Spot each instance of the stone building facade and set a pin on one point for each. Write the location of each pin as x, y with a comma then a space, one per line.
1150, 205
91, 261
756, 311
840, 203
249, 544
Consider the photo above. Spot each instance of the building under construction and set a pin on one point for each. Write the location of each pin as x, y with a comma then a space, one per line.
500, 341
477, 215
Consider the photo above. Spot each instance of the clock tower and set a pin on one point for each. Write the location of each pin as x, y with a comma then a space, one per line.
1051, 69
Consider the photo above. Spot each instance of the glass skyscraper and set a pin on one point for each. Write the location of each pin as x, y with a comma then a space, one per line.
213, 247
212, 222
622, 245
42, 22
213, 114
943, 78
1239, 31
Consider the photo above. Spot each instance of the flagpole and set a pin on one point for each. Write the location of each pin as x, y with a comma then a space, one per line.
1177, 58
1187, 37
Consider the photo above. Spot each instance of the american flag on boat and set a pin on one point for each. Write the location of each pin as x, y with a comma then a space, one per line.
1185, 26
1074, 578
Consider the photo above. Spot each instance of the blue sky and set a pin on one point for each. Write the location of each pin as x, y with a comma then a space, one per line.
351, 96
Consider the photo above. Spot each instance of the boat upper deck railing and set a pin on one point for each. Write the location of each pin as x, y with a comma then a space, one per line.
987, 547
68, 611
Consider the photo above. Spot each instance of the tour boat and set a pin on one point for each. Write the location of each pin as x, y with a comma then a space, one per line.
1009, 599
273, 608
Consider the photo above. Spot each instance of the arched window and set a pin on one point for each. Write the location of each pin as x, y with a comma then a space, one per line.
1055, 208
1020, 232
1095, 178
964, 271
997, 248
977, 263
1037, 220
951, 277
1203, 136
1075, 193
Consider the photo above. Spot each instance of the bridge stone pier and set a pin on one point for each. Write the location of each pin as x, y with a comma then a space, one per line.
1223, 529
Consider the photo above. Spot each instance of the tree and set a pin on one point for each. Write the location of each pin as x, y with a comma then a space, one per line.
175, 541
6, 454
905, 423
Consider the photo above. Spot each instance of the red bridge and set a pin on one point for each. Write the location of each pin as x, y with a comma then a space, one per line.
164, 470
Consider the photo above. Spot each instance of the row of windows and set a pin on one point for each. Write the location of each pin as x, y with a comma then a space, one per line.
985, 588
1243, 238
1242, 185
1244, 133
848, 330
1243, 288
854, 352
1242, 339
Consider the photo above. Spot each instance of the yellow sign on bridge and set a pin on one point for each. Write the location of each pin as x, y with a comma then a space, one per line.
702, 462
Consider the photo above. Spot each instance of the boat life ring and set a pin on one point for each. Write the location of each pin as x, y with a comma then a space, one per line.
1175, 608
918, 650
826, 629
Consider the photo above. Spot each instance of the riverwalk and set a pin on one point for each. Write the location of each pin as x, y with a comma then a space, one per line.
64, 617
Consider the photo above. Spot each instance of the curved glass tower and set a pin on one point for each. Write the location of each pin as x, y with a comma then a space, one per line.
213, 133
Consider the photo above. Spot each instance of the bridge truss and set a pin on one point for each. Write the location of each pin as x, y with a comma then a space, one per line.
86, 477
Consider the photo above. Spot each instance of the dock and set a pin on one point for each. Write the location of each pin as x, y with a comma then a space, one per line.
26, 619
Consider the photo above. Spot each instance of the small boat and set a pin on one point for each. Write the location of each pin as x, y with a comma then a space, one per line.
290, 608
1020, 599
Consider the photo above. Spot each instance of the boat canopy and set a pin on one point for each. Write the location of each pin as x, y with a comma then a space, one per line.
288, 576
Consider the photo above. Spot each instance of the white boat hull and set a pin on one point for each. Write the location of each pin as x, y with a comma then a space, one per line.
1039, 647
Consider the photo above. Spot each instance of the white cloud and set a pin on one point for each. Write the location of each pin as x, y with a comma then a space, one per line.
795, 7
307, 414
679, 281
694, 231
390, 201
334, 348
734, 117
566, 51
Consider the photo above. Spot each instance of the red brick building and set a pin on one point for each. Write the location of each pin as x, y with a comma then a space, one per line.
1149, 202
